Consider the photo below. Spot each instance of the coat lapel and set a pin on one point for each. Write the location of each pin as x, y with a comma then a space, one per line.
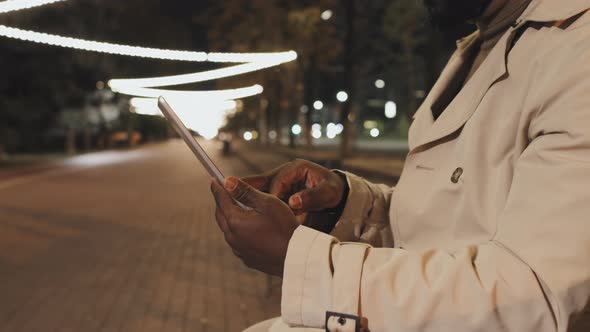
466, 102
423, 118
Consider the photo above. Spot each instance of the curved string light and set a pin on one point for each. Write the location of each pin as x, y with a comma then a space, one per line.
207, 126
14, 5
269, 59
143, 52
252, 57
153, 82
94, 46
202, 95
218, 102
140, 103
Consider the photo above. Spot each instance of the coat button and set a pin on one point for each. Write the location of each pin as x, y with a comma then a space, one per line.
457, 175
516, 23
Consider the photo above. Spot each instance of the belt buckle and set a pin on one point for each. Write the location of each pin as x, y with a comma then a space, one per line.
337, 322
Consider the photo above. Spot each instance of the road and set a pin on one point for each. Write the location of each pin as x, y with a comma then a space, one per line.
124, 241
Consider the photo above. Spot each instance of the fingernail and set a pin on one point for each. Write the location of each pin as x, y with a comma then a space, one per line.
295, 201
231, 184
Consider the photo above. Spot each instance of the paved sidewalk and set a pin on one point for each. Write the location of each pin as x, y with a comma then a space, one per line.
124, 241
18, 166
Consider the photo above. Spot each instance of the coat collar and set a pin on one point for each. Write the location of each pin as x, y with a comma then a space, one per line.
493, 69
553, 10
465, 103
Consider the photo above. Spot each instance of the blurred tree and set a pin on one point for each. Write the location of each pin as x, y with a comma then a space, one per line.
347, 117
40, 81
404, 25
240, 26
278, 25
360, 41
319, 46
416, 49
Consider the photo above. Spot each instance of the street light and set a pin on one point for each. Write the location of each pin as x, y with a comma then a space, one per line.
296, 129
342, 96
332, 130
390, 110
248, 136
327, 14
379, 84
318, 105
375, 132
316, 130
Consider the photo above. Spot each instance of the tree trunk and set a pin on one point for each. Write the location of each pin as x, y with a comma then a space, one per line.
349, 78
291, 119
87, 139
262, 122
308, 94
70, 145
130, 129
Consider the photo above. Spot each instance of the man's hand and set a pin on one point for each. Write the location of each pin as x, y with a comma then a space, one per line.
306, 186
260, 237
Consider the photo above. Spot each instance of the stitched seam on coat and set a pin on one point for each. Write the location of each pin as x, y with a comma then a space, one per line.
305, 277
359, 308
396, 230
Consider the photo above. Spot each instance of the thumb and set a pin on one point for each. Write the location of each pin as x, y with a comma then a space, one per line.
259, 182
321, 197
243, 192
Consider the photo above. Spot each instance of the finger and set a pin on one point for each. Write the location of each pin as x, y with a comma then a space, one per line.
224, 200
262, 182
244, 193
222, 221
259, 182
321, 197
286, 179
301, 217
237, 253
232, 241
225, 226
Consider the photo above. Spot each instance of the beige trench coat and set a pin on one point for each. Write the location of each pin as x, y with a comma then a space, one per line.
489, 226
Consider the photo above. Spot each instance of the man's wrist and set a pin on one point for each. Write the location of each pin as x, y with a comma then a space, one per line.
325, 221
338, 209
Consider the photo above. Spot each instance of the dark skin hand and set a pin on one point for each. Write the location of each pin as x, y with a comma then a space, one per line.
305, 186
260, 237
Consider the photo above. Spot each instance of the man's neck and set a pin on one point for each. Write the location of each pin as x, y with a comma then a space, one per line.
491, 12
498, 17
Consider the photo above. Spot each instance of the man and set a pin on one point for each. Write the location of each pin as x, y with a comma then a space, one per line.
488, 228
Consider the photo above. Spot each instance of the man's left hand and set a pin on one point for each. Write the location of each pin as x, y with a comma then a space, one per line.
260, 236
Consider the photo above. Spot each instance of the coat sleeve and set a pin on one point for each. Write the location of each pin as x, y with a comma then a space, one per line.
532, 276
365, 217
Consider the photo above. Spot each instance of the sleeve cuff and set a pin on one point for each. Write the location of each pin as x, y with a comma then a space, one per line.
307, 278
320, 275
356, 210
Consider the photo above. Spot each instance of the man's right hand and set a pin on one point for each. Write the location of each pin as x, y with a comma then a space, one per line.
305, 186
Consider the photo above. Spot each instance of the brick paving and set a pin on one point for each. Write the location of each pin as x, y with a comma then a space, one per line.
124, 241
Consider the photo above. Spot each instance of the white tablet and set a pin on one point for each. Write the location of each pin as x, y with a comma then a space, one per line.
192, 143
